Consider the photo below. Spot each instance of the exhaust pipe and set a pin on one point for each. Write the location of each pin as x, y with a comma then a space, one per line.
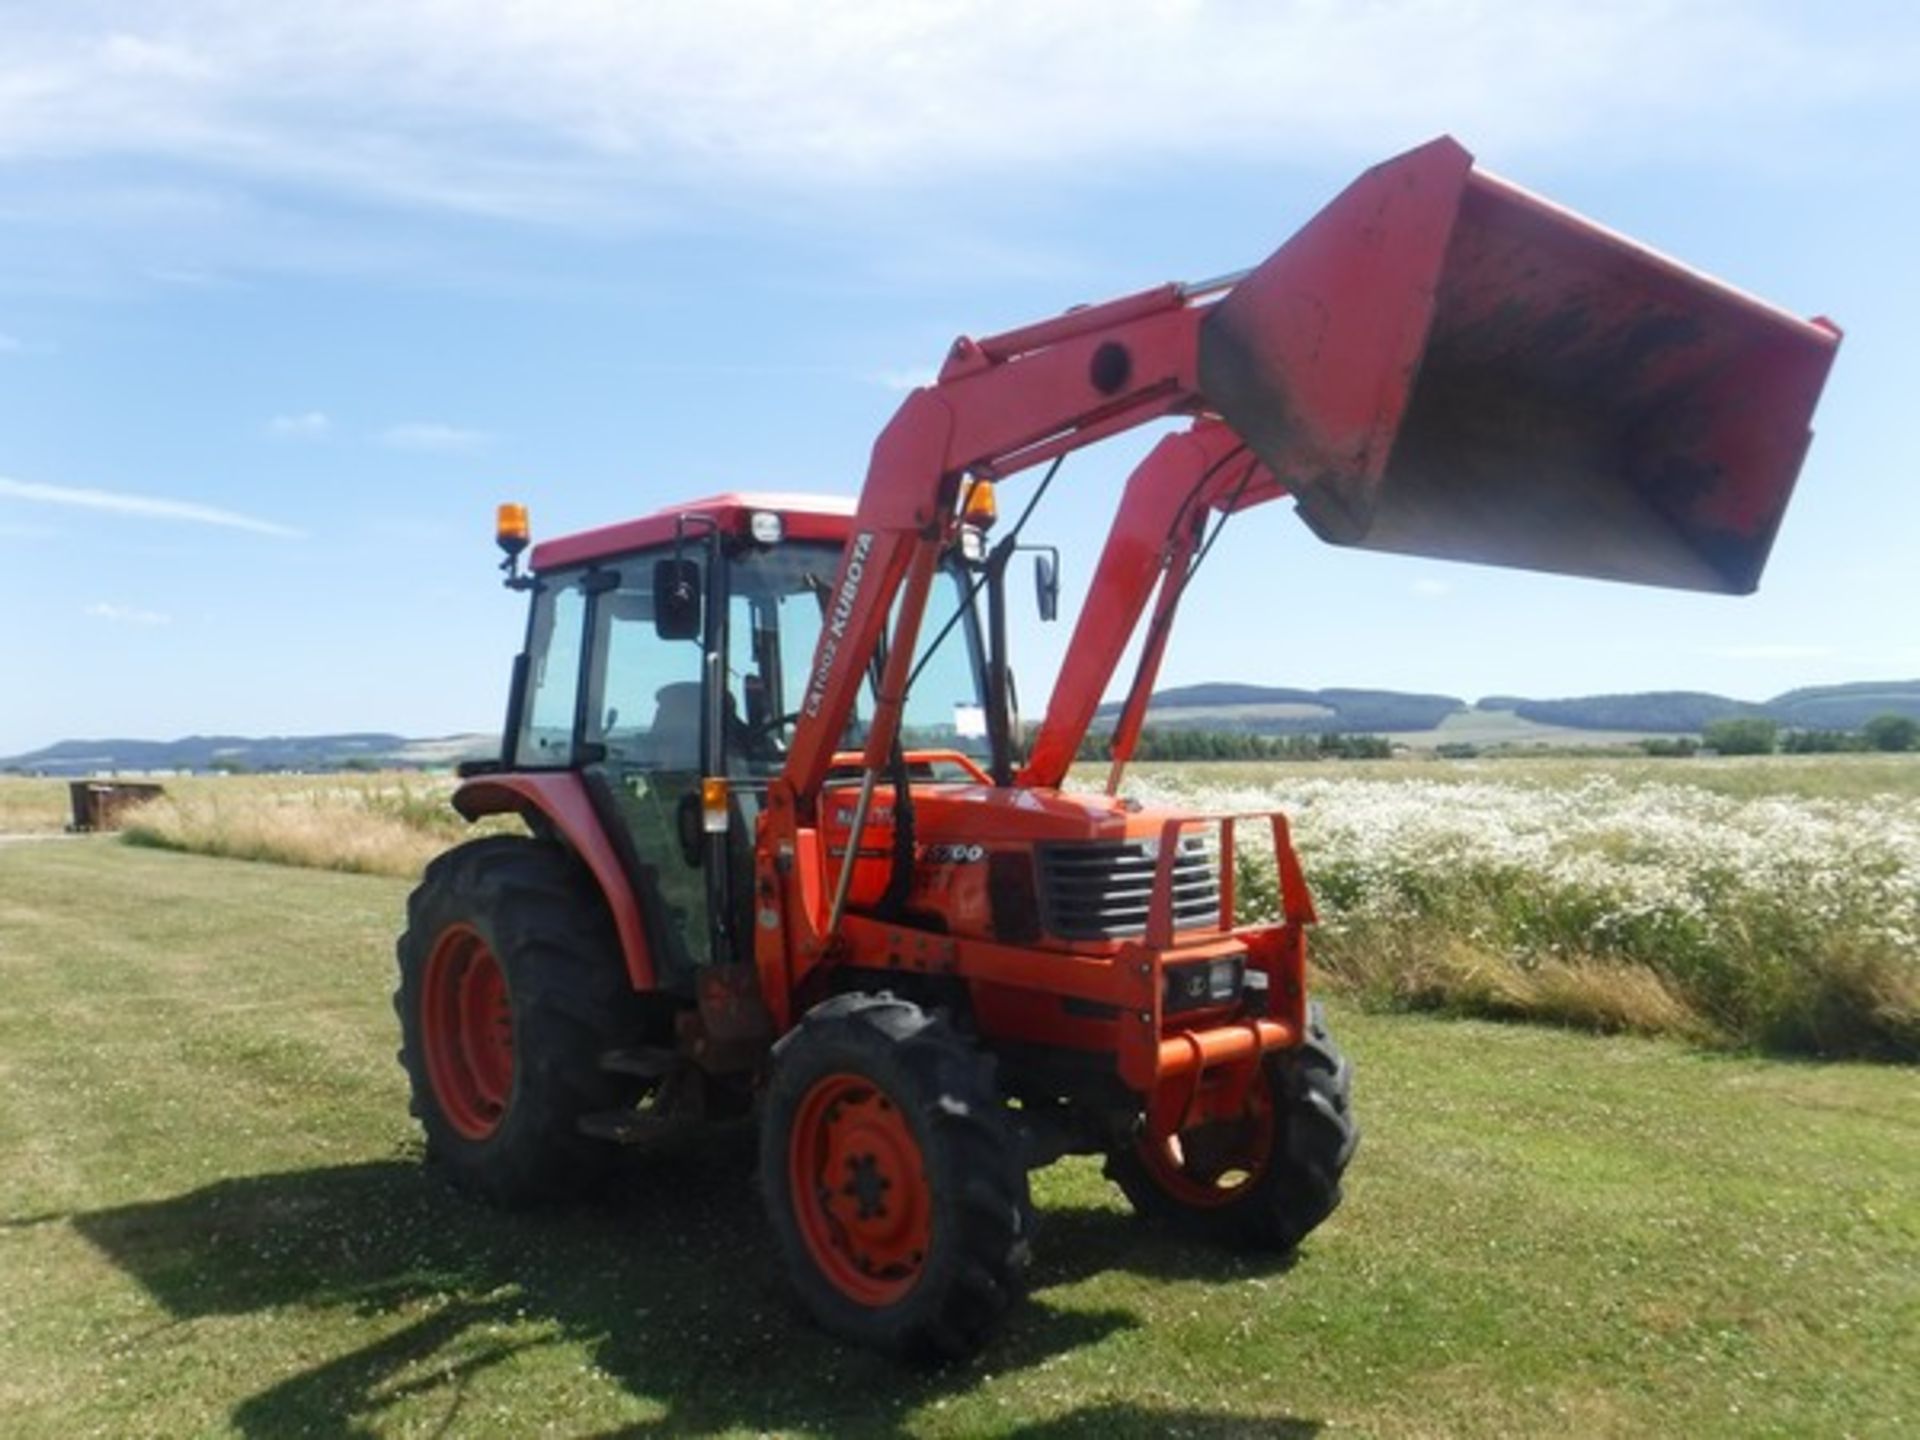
1442, 364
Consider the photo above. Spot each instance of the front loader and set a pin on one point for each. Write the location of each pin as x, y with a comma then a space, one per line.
790, 854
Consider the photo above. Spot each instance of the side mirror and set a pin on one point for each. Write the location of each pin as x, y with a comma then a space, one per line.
1046, 584
676, 599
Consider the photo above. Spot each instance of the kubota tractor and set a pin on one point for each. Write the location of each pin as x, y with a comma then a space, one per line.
791, 851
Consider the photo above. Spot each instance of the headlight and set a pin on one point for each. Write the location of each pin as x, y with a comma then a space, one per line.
1203, 983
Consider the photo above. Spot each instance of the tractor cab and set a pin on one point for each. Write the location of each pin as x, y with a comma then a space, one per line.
667, 662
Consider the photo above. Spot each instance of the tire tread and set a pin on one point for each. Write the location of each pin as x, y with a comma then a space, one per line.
967, 1289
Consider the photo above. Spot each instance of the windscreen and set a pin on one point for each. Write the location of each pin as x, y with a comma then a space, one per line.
775, 607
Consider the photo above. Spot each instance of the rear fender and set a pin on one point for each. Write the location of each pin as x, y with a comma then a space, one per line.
559, 798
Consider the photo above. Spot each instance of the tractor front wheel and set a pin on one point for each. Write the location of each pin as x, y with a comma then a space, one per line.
510, 990
893, 1181
1267, 1177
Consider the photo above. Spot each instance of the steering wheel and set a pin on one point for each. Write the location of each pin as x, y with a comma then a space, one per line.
771, 724
761, 740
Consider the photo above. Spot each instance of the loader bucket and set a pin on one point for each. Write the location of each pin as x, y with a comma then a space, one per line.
1442, 364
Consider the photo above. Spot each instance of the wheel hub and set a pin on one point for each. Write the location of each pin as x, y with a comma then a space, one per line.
868, 1187
466, 1031
859, 1184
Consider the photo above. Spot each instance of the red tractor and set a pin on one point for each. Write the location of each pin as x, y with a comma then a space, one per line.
791, 852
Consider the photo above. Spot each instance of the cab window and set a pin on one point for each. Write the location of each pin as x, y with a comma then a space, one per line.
553, 674
643, 692
778, 600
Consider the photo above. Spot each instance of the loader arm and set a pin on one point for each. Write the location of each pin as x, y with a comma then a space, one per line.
1152, 542
1438, 364
999, 406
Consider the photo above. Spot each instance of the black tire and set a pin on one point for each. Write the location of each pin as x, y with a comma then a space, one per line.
547, 927
975, 1182
1311, 1092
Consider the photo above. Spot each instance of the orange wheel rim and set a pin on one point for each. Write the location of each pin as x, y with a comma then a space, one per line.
1218, 1162
466, 1030
860, 1190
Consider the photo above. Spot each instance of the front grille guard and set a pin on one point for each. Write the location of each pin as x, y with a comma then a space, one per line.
1192, 1072
1296, 903
1193, 1075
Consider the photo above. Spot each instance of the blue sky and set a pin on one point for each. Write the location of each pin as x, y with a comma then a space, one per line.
290, 297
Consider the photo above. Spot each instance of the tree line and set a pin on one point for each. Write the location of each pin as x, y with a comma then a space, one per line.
1756, 735
1184, 744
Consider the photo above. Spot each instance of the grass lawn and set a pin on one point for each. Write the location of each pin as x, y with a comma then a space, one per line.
212, 1218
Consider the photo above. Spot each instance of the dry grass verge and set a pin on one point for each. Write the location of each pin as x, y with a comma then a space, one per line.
31, 806
1412, 967
361, 829
1834, 988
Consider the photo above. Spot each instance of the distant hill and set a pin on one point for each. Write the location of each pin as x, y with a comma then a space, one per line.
1821, 707
240, 752
1271, 710
1679, 711
1845, 707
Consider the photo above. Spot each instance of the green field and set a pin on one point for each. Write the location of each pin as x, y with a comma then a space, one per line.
213, 1220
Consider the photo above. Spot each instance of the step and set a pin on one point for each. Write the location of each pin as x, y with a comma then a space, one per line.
635, 1127
648, 1062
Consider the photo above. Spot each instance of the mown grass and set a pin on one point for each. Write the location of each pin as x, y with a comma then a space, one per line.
213, 1220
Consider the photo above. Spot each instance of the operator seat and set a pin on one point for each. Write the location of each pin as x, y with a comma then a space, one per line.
674, 737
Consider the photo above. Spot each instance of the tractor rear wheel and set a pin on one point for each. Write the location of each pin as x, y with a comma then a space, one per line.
1267, 1177
510, 991
893, 1180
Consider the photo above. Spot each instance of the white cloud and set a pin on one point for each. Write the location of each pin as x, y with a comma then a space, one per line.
127, 615
903, 380
1431, 589
186, 279
152, 507
307, 425
1770, 652
574, 107
432, 437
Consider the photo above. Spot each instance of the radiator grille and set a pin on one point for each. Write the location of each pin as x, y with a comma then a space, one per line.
1100, 890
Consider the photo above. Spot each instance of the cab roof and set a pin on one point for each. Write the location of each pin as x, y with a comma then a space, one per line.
806, 517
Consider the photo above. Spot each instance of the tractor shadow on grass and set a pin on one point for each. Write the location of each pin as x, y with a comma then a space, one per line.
670, 1283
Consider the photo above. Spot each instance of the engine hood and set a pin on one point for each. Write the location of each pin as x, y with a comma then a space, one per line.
985, 814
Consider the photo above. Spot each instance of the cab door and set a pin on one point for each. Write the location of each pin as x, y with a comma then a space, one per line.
645, 748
